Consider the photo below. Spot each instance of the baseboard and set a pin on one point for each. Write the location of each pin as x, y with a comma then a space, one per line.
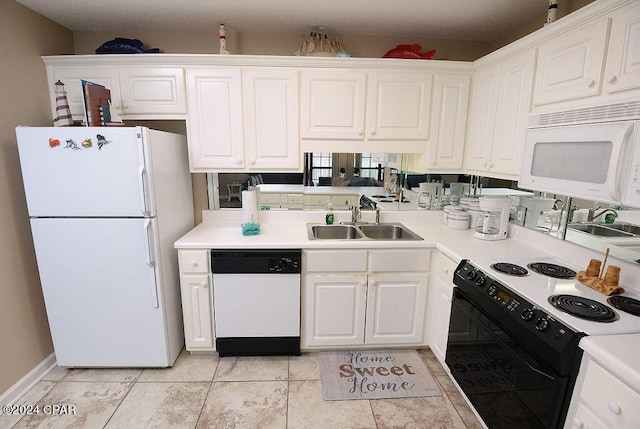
28, 381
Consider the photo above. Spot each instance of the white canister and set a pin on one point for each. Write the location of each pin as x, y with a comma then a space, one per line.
449, 209
474, 214
458, 220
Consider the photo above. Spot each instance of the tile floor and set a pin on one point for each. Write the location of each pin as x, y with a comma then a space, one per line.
205, 391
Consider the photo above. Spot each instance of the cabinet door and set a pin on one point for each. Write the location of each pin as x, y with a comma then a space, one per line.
622, 71
484, 100
514, 105
153, 90
214, 124
440, 313
332, 104
450, 101
197, 311
72, 76
335, 310
396, 307
570, 65
399, 105
271, 121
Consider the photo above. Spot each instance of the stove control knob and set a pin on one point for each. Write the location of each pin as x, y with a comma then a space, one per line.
542, 324
480, 280
527, 314
472, 274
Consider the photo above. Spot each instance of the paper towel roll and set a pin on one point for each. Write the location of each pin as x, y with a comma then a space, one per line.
249, 206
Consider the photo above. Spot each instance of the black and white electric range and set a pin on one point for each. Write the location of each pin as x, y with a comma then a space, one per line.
514, 333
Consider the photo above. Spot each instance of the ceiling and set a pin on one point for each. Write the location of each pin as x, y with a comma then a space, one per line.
476, 20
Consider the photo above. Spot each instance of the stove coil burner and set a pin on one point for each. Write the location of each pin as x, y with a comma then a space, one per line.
510, 269
625, 303
552, 270
584, 308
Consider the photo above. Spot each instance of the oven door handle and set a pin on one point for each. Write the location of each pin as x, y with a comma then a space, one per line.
459, 296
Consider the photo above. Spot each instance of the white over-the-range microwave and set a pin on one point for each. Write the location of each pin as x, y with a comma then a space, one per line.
591, 153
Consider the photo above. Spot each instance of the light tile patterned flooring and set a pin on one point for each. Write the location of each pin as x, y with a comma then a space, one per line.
205, 391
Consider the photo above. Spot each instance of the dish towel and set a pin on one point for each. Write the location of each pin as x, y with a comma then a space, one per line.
250, 228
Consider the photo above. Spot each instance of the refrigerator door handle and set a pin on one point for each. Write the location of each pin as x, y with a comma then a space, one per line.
148, 253
142, 173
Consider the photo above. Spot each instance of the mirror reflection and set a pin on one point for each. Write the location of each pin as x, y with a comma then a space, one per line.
343, 177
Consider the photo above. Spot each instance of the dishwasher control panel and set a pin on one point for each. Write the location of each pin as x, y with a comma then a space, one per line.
258, 261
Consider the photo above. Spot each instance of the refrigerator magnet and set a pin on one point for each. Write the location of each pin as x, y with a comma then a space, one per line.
101, 140
86, 143
71, 144
54, 142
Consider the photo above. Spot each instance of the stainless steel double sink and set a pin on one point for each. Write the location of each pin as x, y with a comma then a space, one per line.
381, 231
620, 229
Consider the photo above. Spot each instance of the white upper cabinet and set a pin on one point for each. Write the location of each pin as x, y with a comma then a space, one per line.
136, 92
152, 90
221, 137
332, 104
570, 65
214, 126
364, 110
271, 119
449, 119
500, 104
622, 70
399, 105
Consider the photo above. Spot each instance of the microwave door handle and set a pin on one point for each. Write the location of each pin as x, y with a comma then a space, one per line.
614, 179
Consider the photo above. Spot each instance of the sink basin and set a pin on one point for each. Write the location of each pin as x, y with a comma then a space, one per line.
334, 232
626, 227
600, 231
384, 231
388, 232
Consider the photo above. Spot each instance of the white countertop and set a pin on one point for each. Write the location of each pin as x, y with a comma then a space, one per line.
287, 229
618, 354
222, 229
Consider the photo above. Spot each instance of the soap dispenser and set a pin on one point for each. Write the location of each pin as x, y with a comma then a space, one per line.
329, 218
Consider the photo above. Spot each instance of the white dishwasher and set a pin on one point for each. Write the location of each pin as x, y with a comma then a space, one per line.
256, 301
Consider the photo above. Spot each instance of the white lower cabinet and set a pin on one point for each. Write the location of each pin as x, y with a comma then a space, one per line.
440, 295
360, 297
601, 400
197, 299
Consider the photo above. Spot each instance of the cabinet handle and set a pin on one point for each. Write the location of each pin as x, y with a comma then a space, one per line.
125, 104
484, 164
491, 165
373, 133
238, 161
614, 408
433, 163
204, 284
194, 263
611, 78
360, 133
577, 422
590, 83
253, 162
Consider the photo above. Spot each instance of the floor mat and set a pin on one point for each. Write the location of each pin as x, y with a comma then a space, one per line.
375, 374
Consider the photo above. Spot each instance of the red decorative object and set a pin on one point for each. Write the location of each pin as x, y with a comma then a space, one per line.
54, 142
410, 52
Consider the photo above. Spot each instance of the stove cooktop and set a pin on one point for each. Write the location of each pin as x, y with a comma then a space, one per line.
538, 289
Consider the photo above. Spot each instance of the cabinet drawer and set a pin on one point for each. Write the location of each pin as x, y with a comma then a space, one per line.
446, 267
333, 261
610, 398
194, 261
269, 198
316, 200
399, 260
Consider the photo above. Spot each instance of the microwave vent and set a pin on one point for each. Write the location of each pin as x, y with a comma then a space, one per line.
607, 113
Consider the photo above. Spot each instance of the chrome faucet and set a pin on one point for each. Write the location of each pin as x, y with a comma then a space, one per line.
355, 214
377, 215
591, 216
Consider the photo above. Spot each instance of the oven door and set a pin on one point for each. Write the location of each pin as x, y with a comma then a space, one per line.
507, 385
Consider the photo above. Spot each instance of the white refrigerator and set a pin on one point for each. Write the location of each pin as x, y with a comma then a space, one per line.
106, 205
